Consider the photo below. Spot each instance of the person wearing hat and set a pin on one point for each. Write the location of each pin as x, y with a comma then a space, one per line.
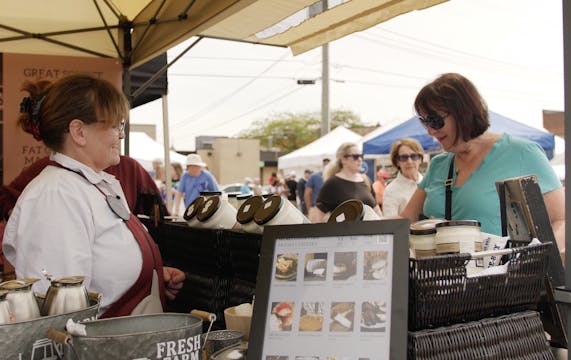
195, 180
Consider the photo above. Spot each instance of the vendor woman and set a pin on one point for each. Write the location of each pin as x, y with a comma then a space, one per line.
453, 111
73, 219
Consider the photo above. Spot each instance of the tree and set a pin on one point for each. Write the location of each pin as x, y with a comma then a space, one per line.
289, 131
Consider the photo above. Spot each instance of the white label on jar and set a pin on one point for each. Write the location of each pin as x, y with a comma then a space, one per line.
340, 217
267, 205
246, 208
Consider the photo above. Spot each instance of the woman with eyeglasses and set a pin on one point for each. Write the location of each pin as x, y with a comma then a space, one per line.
406, 156
454, 112
73, 218
343, 181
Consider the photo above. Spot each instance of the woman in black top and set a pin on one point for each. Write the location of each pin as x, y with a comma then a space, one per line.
344, 181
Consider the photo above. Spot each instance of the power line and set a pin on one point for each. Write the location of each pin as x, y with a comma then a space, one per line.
280, 97
187, 121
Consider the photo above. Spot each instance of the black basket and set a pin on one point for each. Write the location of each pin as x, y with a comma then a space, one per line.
440, 293
515, 336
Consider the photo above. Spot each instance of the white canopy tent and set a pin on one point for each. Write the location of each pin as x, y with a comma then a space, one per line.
144, 149
310, 156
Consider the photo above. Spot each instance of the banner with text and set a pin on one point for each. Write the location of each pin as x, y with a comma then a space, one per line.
19, 149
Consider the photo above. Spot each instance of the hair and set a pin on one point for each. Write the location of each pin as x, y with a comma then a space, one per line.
454, 94
410, 142
80, 96
334, 167
178, 170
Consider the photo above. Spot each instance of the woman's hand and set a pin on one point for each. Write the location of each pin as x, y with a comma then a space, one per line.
174, 280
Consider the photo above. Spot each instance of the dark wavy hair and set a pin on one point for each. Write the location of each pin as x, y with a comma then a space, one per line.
50, 107
455, 95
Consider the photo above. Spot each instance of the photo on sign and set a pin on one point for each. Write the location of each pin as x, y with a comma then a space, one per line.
344, 265
315, 267
286, 267
342, 316
373, 316
375, 265
282, 316
311, 317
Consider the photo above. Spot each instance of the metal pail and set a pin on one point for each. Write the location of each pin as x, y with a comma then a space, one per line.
155, 336
28, 339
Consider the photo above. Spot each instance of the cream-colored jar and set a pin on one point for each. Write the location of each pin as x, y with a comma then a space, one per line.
422, 242
457, 236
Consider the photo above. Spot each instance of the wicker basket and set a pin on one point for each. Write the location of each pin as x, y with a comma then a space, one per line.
515, 336
441, 294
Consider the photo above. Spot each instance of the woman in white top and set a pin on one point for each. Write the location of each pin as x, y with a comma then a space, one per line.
73, 219
407, 156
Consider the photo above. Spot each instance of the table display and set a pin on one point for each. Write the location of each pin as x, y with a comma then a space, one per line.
332, 291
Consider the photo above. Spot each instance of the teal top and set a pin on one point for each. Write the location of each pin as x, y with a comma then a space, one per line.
477, 198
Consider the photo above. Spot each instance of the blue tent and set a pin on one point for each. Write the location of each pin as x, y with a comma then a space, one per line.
414, 129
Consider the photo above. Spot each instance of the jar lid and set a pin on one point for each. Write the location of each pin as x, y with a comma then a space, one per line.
210, 193
425, 224
349, 210
247, 210
270, 208
458, 223
427, 231
193, 208
209, 208
243, 196
233, 194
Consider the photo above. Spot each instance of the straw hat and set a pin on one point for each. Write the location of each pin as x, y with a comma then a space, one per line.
195, 159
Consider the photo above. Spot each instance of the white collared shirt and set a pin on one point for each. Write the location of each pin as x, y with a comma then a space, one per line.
397, 194
62, 223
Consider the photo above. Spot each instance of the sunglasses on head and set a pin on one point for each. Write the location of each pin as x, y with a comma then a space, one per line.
413, 157
433, 121
354, 156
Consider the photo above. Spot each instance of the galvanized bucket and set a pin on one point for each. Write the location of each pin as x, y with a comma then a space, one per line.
28, 339
156, 336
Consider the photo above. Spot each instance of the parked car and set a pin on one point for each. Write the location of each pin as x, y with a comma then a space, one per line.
232, 188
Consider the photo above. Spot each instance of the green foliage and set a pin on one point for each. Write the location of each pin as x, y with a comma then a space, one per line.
289, 131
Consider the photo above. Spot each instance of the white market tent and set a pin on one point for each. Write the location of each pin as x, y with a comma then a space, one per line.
310, 156
144, 149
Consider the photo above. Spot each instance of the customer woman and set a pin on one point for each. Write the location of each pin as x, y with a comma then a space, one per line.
73, 219
406, 156
343, 181
453, 111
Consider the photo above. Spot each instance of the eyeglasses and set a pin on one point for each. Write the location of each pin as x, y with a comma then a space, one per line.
434, 121
354, 156
413, 157
120, 128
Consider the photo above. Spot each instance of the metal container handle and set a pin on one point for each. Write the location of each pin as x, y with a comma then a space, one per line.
206, 316
58, 336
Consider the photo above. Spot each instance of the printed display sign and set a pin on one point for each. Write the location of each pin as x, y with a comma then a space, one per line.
332, 292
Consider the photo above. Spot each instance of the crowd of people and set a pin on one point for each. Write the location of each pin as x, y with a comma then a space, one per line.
72, 212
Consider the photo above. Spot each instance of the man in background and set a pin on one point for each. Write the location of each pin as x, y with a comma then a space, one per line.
313, 186
195, 180
301, 190
291, 184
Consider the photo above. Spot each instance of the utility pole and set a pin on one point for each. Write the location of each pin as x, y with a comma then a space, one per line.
325, 113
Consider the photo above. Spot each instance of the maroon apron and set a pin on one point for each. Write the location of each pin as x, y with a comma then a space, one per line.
151, 261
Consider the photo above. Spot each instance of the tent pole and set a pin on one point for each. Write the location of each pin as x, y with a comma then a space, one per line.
166, 142
127, 92
567, 131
